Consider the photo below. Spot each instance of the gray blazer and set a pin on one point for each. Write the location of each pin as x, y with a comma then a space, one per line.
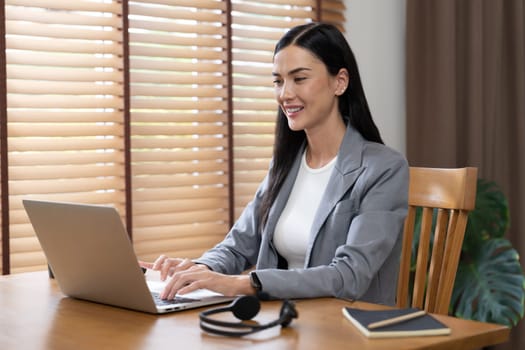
355, 240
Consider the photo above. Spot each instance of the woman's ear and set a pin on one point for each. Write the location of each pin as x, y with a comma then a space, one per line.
342, 78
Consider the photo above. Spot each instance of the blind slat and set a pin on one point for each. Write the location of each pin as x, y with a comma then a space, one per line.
152, 194
167, 156
201, 4
177, 40
174, 180
180, 117
175, 143
74, 18
180, 167
64, 130
64, 172
56, 60
170, 91
65, 186
78, 5
174, 66
59, 102
198, 28
61, 88
60, 46
42, 116
182, 79
58, 144
176, 13
192, 53
62, 74
169, 104
57, 158
255, 8
40, 31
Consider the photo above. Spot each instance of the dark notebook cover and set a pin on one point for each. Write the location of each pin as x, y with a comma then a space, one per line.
422, 326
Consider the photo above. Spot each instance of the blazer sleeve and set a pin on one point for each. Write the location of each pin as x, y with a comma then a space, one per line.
365, 265
240, 248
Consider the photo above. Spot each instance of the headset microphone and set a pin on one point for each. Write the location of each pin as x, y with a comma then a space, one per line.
244, 308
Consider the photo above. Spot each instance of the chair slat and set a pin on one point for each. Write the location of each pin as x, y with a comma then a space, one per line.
422, 258
404, 268
436, 264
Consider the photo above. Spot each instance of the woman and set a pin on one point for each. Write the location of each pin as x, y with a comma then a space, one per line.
327, 219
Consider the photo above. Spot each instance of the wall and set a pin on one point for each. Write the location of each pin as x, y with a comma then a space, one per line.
375, 30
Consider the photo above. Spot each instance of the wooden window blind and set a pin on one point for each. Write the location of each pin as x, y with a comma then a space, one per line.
193, 100
64, 110
179, 114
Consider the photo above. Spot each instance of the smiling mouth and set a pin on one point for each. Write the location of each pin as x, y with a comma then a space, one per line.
293, 110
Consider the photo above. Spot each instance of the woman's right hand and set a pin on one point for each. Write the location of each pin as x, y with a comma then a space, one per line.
167, 266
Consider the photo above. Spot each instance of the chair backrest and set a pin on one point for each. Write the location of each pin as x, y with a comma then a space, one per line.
451, 194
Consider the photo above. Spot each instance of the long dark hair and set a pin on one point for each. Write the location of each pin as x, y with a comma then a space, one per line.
328, 44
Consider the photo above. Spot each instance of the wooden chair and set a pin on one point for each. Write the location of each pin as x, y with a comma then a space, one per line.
452, 194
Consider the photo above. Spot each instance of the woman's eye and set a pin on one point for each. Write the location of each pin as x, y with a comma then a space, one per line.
277, 82
299, 79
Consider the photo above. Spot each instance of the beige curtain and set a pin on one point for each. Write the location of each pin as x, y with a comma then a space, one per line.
466, 97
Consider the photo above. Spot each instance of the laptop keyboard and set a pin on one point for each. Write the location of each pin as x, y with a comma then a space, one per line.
177, 300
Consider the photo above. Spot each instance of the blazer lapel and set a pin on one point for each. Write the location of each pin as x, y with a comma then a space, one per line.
345, 173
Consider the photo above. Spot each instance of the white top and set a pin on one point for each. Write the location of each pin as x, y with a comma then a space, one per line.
292, 232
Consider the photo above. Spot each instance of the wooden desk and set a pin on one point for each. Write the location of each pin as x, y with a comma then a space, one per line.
35, 315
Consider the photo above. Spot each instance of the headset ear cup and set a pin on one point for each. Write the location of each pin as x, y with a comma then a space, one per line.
246, 307
287, 313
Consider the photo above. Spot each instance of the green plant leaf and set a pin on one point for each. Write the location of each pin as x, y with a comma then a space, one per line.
491, 287
490, 217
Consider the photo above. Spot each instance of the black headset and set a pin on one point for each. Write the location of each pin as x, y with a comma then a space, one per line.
244, 308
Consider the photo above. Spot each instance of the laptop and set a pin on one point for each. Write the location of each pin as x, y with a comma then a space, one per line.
92, 258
